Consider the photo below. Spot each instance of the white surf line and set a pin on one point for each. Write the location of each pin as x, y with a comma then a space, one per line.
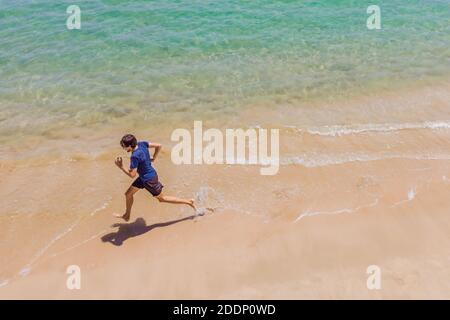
27, 268
79, 244
103, 207
343, 130
337, 159
346, 210
410, 196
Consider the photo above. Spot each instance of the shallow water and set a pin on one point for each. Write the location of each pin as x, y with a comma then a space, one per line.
143, 63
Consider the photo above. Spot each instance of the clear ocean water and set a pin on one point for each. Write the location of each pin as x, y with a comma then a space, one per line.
205, 57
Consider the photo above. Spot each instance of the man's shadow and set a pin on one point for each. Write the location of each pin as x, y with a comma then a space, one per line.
134, 229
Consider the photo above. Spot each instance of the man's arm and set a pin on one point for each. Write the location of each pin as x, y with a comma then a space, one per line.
131, 172
157, 147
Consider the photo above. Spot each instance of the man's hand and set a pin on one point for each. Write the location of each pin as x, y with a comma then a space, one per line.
119, 162
157, 147
131, 173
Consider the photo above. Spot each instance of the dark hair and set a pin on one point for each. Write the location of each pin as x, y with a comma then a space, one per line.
128, 140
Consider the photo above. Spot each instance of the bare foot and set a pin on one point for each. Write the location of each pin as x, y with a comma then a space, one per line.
191, 203
124, 216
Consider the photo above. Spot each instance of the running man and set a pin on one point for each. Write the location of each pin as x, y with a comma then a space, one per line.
141, 164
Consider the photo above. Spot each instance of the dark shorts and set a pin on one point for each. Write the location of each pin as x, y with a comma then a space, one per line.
153, 185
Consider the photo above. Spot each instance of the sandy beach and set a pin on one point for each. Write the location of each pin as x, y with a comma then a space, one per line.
356, 94
234, 255
308, 232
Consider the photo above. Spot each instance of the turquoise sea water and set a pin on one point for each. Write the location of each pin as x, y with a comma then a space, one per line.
204, 57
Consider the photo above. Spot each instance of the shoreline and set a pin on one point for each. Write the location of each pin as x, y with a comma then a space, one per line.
360, 110
338, 204
302, 149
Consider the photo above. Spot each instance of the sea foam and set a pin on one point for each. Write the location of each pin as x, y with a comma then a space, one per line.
343, 130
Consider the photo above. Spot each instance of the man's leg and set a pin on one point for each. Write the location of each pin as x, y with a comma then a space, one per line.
171, 199
129, 203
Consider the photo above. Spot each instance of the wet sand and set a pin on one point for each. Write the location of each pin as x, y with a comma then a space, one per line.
340, 203
298, 243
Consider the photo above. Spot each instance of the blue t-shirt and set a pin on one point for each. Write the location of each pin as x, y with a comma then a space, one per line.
140, 159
